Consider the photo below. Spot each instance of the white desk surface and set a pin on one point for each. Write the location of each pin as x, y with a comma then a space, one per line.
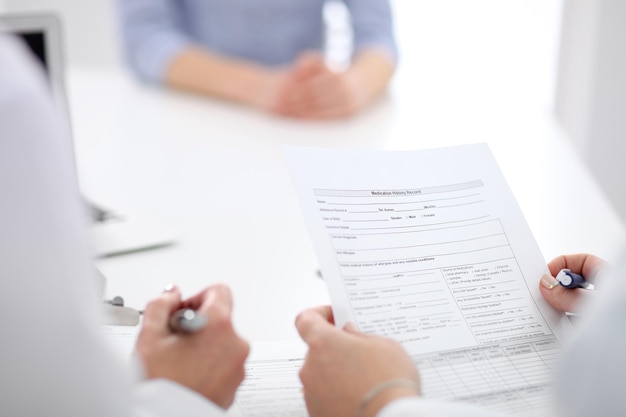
215, 171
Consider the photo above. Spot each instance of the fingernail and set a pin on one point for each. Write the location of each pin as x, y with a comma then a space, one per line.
549, 281
169, 287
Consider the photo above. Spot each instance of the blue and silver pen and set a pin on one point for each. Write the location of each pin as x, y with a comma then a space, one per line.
187, 320
569, 279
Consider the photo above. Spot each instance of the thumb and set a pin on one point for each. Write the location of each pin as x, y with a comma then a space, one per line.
309, 64
159, 310
350, 327
560, 298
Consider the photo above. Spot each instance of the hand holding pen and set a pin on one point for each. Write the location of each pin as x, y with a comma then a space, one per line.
187, 320
193, 343
571, 277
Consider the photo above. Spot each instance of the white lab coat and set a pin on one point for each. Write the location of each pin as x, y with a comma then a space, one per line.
54, 360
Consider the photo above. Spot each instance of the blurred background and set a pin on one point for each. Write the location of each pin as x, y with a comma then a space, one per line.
566, 57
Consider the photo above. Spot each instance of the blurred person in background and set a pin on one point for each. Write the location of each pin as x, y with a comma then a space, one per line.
267, 54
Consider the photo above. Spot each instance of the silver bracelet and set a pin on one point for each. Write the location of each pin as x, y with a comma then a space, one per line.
399, 382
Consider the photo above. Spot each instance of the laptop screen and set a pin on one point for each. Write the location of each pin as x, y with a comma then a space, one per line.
41, 33
36, 42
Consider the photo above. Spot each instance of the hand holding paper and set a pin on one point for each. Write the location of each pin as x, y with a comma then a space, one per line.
430, 248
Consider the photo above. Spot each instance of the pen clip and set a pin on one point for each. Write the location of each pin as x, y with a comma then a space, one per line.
187, 320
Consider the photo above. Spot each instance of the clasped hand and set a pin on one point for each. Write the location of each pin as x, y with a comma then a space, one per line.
311, 90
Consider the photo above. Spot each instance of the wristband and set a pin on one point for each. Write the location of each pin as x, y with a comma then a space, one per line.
371, 394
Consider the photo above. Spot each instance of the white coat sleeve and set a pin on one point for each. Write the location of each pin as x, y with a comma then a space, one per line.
420, 407
590, 380
54, 360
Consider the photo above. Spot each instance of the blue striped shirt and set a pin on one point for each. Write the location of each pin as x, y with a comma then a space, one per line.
269, 32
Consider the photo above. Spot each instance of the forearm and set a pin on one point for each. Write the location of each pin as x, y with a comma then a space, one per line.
151, 35
371, 71
202, 71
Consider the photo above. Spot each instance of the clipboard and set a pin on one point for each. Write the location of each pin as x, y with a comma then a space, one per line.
116, 314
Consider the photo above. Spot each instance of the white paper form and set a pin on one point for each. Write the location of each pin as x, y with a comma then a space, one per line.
271, 387
431, 249
122, 339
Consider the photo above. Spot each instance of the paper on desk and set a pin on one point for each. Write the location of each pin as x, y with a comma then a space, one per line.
121, 339
431, 249
271, 387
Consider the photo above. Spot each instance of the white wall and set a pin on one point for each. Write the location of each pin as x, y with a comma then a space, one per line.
499, 56
90, 28
591, 90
